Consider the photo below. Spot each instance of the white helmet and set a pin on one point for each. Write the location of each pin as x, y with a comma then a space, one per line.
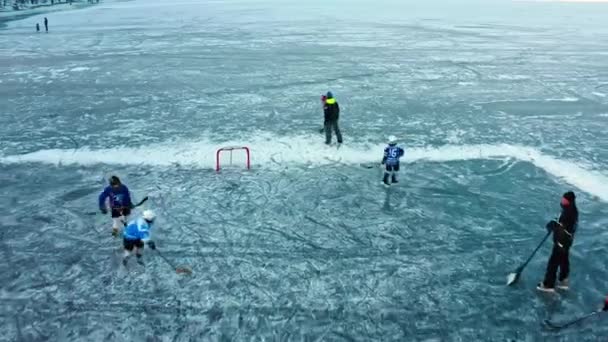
148, 215
392, 139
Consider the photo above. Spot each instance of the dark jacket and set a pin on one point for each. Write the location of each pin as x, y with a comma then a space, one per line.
331, 110
565, 227
119, 199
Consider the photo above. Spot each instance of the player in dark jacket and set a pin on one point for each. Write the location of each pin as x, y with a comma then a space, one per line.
120, 203
563, 235
331, 110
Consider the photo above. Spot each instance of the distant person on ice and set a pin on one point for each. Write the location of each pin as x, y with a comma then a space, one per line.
331, 111
392, 153
135, 234
563, 235
37, 27
120, 203
46, 24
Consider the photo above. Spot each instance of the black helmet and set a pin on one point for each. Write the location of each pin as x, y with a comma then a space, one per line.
114, 181
568, 198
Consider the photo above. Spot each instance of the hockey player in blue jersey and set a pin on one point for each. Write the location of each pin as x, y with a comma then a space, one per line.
135, 234
120, 203
392, 153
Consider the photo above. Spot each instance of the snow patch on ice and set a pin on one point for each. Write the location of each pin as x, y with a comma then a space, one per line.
268, 149
565, 99
511, 77
80, 69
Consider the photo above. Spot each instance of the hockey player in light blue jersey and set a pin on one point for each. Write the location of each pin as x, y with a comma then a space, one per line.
135, 234
392, 153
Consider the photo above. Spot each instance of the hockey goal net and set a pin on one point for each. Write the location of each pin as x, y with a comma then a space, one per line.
241, 156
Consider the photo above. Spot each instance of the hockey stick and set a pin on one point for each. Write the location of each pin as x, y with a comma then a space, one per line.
370, 165
513, 277
143, 200
178, 269
567, 324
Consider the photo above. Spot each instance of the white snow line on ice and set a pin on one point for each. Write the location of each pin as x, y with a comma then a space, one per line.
268, 149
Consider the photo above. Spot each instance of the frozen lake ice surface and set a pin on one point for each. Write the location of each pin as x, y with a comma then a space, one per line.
500, 106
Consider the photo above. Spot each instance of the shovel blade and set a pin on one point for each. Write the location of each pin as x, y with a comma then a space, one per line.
512, 278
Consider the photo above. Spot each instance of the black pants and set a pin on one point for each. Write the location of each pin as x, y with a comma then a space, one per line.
329, 125
559, 259
118, 212
129, 244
